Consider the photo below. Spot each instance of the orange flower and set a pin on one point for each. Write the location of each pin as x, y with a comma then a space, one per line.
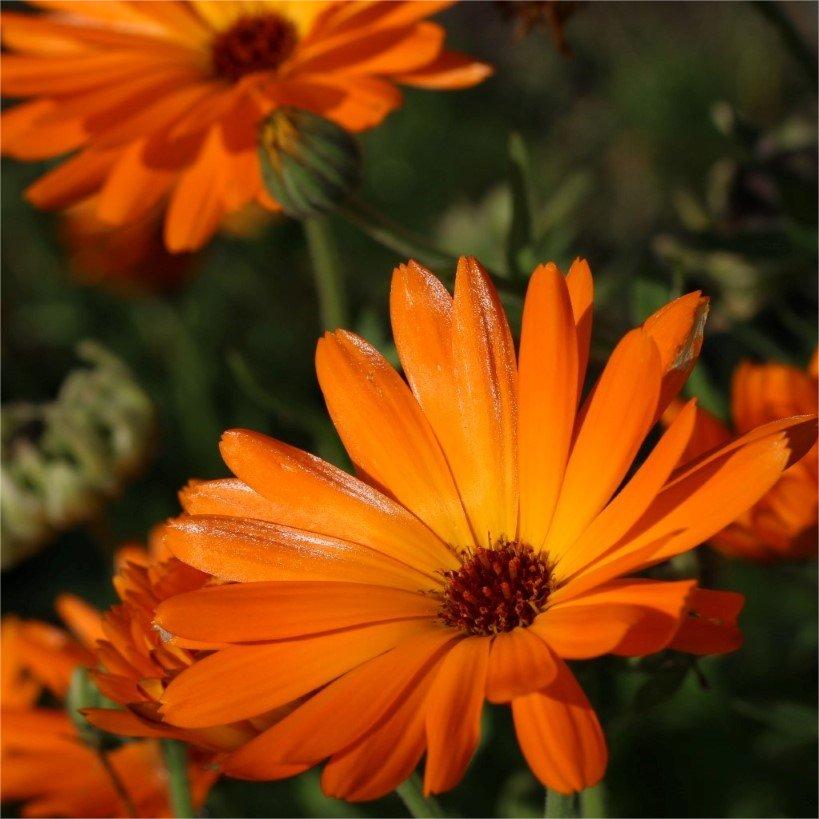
131, 259
483, 543
45, 763
782, 525
162, 101
133, 664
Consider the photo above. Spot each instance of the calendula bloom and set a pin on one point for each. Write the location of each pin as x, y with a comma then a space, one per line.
162, 102
46, 764
133, 664
783, 523
130, 259
483, 543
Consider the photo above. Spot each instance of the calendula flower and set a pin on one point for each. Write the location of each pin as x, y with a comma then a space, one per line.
483, 543
133, 663
46, 764
782, 524
130, 259
162, 102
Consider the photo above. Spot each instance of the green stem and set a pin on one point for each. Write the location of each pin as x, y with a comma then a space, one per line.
778, 17
394, 236
593, 802
559, 805
116, 781
420, 806
327, 273
176, 761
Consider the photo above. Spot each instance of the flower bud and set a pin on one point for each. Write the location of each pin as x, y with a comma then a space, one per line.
82, 694
309, 164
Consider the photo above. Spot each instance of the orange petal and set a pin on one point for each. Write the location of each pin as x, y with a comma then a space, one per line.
250, 550
453, 720
83, 620
384, 430
519, 663
560, 736
581, 292
449, 71
250, 612
691, 508
649, 611
708, 433
677, 331
633, 499
486, 388
617, 416
342, 712
71, 181
710, 626
547, 397
339, 503
382, 759
245, 681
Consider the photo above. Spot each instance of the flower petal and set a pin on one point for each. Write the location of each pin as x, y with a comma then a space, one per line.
711, 624
581, 292
519, 663
245, 681
548, 386
486, 388
453, 720
250, 612
560, 736
386, 434
338, 502
616, 419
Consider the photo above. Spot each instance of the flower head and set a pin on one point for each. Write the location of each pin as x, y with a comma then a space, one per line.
162, 102
46, 764
782, 524
493, 532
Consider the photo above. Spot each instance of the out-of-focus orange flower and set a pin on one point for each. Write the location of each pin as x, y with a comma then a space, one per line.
45, 763
483, 544
162, 101
783, 524
130, 259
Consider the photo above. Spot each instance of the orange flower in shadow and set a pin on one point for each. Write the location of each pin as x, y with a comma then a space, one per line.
161, 102
483, 543
46, 765
782, 525
128, 260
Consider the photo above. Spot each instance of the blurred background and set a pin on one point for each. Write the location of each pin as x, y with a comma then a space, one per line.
671, 144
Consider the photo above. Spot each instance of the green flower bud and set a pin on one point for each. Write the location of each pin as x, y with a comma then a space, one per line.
309, 164
63, 460
83, 693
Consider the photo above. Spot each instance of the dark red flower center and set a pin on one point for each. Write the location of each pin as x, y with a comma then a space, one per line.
496, 589
253, 43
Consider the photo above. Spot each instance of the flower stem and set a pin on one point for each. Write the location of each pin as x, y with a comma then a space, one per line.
420, 806
116, 781
394, 236
559, 805
593, 802
327, 273
176, 761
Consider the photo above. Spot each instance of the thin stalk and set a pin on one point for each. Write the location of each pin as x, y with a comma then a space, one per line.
327, 273
420, 806
394, 236
176, 761
775, 13
593, 802
559, 806
116, 781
